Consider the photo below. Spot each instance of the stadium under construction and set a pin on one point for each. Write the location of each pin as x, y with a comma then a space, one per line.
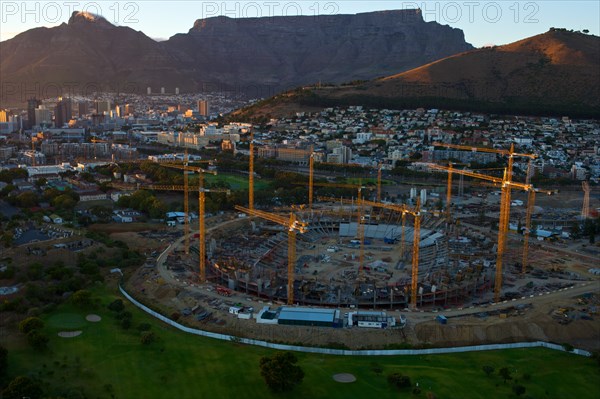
342, 261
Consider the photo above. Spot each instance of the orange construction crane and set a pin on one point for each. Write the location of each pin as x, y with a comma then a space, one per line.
379, 182
201, 223
186, 208
311, 172
186, 170
251, 173
360, 226
416, 212
510, 153
201, 208
585, 209
507, 184
294, 225
95, 140
404, 210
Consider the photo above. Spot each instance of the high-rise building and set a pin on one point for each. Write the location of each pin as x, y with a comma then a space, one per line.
42, 116
3, 115
129, 110
341, 154
83, 108
63, 112
102, 106
203, 107
32, 104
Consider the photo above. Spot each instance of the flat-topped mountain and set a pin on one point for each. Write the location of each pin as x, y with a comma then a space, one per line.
292, 51
247, 54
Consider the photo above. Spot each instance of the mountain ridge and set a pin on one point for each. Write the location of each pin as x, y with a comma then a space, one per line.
266, 55
554, 72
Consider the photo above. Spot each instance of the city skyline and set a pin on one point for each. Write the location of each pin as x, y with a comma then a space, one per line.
483, 23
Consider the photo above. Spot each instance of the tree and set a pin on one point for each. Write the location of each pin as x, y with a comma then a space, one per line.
116, 305
376, 368
27, 199
23, 387
37, 340
7, 239
82, 298
488, 370
518, 389
505, 374
399, 381
3, 360
30, 324
147, 337
281, 372
64, 201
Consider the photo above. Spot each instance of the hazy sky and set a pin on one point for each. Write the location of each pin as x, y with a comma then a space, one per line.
484, 22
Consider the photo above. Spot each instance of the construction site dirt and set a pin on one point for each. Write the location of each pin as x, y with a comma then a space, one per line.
556, 300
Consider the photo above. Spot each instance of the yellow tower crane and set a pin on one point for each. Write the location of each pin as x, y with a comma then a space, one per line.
404, 210
251, 173
186, 170
96, 140
585, 209
360, 226
311, 172
201, 209
511, 154
294, 225
379, 182
416, 213
506, 184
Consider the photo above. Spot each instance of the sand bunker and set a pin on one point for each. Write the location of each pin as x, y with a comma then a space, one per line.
344, 377
94, 318
69, 334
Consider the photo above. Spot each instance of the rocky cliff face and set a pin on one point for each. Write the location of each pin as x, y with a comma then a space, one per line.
252, 54
291, 51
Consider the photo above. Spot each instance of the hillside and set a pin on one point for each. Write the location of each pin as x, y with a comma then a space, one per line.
253, 56
555, 72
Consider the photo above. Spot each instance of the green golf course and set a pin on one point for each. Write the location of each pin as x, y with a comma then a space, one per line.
107, 360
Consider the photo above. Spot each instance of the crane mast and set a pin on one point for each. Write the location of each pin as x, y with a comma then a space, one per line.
251, 173
293, 225
186, 208
311, 166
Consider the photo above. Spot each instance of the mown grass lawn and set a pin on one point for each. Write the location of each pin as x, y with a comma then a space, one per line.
236, 182
185, 366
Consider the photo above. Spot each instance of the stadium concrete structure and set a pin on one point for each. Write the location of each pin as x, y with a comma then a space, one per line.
331, 271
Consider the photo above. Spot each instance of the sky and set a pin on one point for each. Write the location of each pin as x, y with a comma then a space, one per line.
483, 22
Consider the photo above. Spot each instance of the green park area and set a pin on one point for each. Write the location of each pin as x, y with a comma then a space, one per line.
109, 361
236, 182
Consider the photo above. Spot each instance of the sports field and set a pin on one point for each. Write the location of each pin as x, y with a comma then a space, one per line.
105, 360
236, 182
